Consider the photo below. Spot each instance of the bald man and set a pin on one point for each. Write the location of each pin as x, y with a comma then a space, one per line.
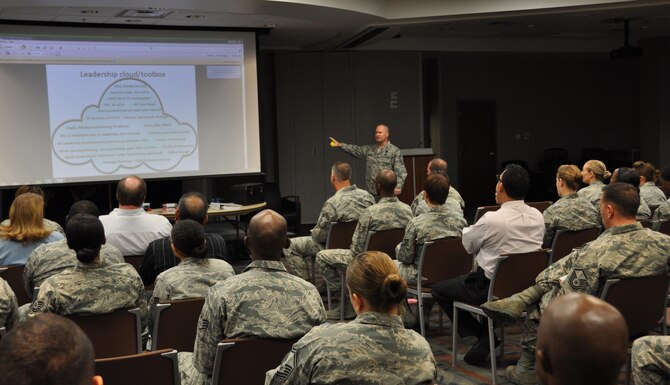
129, 228
454, 200
264, 301
379, 156
581, 340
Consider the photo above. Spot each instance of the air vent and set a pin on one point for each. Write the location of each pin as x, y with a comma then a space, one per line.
144, 13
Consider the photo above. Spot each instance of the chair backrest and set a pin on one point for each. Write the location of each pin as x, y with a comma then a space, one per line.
481, 210
385, 240
645, 223
653, 208
665, 227
13, 274
159, 367
516, 272
272, 196
443, 259
340, 234
641, 301
135, 260
244, 361
565, 241
540, 206
112, 334
175, 324
3, 332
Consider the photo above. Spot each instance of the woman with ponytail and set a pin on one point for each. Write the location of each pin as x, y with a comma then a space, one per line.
374, 348
570, 212
594, 175
195, 273
93, 286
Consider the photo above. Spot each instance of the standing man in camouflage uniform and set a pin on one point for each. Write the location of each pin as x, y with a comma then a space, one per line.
454, 200
346, 205
624, 250
436, 223
582, 340
9, 308
380, 156
389, 213
264, 301
651, 360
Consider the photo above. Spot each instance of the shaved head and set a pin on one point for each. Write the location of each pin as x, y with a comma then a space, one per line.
266, 236
437, 166
386, 181
581, 340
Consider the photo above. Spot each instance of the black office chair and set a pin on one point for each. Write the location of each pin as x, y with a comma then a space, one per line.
288, 206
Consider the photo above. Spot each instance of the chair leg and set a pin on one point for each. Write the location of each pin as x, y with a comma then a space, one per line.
342, 295
628, 366
454, 327
419, 299
492, 347
330, 303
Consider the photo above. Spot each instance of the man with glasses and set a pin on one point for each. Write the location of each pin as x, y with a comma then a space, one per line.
514, 228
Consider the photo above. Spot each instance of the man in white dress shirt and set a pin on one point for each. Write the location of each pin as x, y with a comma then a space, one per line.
129, 227
514, 228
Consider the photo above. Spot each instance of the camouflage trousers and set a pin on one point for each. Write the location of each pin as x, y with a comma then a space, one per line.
650, 358
331, 263
408, 272
188, 373
296, 254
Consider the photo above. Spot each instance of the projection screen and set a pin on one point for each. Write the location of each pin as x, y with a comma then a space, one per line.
90, 104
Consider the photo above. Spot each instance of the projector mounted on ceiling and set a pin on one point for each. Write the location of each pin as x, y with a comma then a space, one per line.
627, 50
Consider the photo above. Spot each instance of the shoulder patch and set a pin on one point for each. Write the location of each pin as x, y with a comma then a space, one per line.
37, 306
203, 324
578, 280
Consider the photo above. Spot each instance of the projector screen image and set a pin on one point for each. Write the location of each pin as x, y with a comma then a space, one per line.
104, 105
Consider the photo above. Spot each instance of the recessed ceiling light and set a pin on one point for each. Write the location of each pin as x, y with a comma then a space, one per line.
270, 25
89, 11
195, 16
133, 21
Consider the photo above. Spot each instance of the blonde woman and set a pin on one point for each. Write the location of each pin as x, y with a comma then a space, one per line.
25, 231
594, 175
570, 212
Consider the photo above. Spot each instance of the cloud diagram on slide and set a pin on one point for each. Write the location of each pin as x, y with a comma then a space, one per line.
126, 129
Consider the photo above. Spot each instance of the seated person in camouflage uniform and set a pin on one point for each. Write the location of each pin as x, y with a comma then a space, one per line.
264, 301
436, 223
664, 181
195, 273
375, 348
650, 193
346, 205
454, 200
49, 224
47, 349
571, 212
582, 340
624, 250
651, 361
9, 309
594, 173
389, 213
52, 258
94, 285
159, 257
632, 177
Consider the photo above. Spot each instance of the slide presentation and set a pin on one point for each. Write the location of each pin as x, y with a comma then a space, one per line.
107, 104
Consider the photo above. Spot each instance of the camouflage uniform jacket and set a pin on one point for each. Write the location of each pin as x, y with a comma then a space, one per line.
191, 278
592, 193
9, 308
387, 214
625, 251
264, 301
651, 194
651, 360
570, 212
377, 159
52, 258
643, 211
662, 213
375, 348
93, 288
346, 205
454, 202
437, 223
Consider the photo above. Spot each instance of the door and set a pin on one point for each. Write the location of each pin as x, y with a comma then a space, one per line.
476, 121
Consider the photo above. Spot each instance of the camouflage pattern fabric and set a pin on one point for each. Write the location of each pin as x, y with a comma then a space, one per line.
454, 201
49, 224
651, 194
650, 357
375, 348
52, 258
662, 213
437, 223
264, 301
570, 212
377, 159
626, 251
387, 214
93, 288
643, 211
346, 205
9, 307
592, 193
